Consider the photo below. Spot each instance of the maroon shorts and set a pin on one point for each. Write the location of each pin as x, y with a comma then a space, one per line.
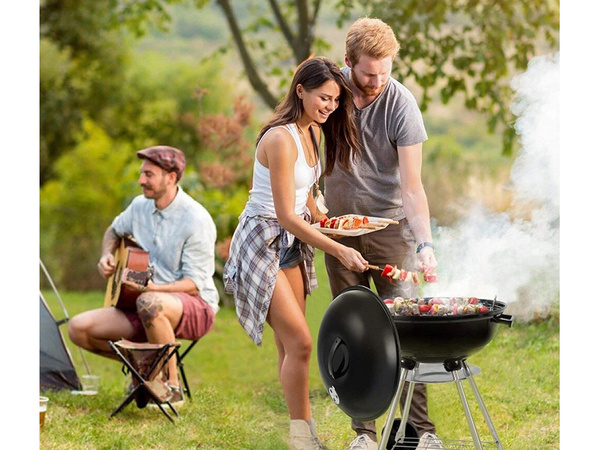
197, 319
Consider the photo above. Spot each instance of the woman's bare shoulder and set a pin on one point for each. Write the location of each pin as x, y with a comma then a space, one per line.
277, 143
278, 134
278, 138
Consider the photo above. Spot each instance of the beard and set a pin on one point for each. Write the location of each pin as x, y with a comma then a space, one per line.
367, 90
153, 193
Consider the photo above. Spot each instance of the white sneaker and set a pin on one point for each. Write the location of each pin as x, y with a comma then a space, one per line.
363, 442
430, 441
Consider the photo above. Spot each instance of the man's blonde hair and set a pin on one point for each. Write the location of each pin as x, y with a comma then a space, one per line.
371, 37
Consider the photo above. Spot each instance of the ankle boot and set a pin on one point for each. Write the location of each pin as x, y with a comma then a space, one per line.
301, 437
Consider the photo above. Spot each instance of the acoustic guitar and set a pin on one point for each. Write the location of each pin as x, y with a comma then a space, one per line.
127, 256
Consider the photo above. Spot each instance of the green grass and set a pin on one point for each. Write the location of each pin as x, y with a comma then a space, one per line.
237, 401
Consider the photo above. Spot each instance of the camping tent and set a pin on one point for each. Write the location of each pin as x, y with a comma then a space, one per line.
57, 370
56, 365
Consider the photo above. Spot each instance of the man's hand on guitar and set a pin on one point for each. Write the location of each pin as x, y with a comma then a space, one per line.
106, 265
137, 280
136, 286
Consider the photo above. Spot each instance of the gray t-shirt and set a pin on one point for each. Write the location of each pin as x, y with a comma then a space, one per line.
372, 188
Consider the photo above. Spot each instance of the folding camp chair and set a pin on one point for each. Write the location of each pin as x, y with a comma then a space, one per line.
147, 364
180, 356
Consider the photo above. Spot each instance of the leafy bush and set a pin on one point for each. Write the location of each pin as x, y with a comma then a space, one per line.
161, 102
96, 179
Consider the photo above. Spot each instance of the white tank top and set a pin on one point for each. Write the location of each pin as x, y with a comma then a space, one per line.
261, 194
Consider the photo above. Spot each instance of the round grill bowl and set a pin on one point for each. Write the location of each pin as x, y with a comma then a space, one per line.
362, 348
439, 339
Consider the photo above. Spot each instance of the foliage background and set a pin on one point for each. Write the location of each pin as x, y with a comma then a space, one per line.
108, 90
122, 92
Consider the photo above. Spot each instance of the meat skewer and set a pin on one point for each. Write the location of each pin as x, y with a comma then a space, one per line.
354, 222
372, 225
390, 221
393, 273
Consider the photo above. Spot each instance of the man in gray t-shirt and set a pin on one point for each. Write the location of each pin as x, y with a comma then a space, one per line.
392, 123
384, 182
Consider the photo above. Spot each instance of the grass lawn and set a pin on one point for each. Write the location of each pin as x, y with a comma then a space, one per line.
238, 404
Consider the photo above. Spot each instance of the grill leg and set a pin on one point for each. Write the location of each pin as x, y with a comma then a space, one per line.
468, 414
487, 417
387, 429
401, 433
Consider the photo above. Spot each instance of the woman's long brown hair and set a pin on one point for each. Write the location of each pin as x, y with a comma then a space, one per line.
341, 135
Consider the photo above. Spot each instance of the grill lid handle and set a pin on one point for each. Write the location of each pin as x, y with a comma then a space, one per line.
504, 319
337, 363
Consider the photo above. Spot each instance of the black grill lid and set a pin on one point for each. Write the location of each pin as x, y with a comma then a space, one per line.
358, 352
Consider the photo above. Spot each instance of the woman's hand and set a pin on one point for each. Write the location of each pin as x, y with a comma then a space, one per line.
352, 259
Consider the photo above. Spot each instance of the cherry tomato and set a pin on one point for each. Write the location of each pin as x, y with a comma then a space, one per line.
387, 270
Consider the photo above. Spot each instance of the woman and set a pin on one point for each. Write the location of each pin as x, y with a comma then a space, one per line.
270, 269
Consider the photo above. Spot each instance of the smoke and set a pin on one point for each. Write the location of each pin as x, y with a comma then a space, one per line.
514, 256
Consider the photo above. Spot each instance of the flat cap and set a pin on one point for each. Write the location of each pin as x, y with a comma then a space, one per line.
167, 158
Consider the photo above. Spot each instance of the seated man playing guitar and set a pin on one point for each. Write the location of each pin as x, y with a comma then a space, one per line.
181, 299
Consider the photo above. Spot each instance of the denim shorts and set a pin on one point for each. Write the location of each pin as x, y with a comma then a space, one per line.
290, 256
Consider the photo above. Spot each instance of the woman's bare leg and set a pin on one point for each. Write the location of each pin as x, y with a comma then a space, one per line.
294, 276
286, 317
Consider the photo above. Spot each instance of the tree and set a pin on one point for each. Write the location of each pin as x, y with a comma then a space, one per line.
95, 181
83, 53
294, 20
451, 47
469, 47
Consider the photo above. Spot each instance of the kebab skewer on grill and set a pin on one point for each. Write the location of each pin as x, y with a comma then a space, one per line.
392, 273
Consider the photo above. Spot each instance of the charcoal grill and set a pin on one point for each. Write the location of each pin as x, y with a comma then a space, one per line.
364, 368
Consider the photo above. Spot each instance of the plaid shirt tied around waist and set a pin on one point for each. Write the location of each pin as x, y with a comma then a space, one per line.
251, 270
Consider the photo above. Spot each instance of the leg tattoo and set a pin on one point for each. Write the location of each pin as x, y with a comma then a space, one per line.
148, 308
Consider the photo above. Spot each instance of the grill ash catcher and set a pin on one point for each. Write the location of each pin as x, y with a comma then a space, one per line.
364, 368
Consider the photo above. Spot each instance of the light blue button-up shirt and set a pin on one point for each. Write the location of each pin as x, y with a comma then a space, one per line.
180, 240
